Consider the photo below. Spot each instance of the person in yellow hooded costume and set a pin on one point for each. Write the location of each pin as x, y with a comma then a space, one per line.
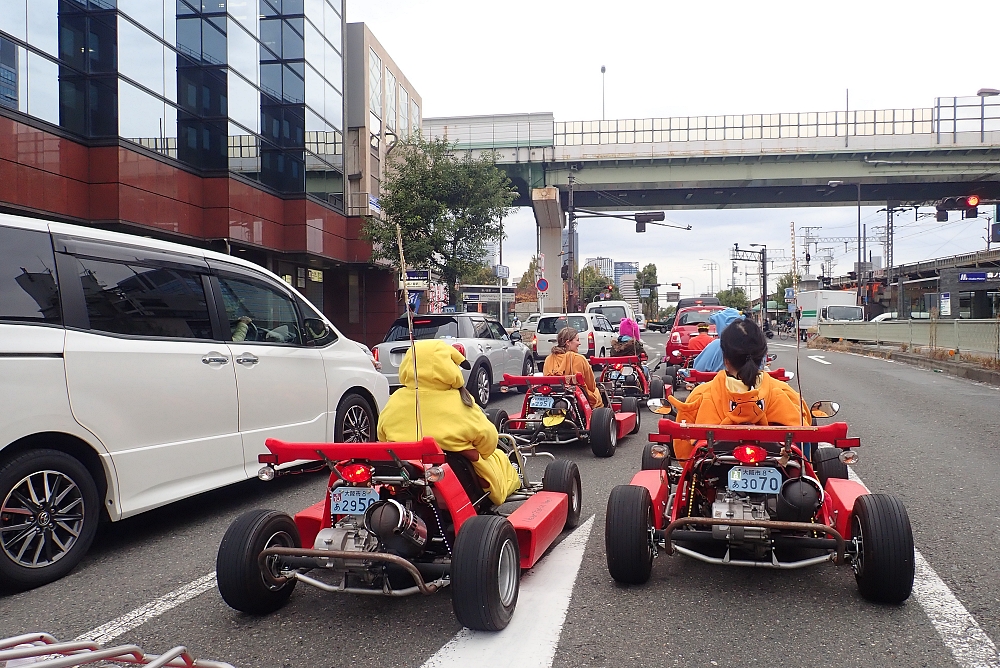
742, 393
448, 415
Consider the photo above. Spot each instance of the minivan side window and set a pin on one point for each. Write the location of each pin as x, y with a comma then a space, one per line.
126, 298
28, 287
259, 312
481, 329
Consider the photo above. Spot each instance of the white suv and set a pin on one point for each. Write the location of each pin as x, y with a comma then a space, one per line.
597, 334
134, 373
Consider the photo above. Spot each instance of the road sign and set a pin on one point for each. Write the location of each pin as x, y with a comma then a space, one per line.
501, 271
644, 293
542, 285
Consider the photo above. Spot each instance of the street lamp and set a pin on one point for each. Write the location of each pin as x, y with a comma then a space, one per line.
984, 93
602, 92
834, 184
711, 266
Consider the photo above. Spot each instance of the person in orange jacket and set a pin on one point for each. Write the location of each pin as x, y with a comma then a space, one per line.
564, 360
703, 339
742, 393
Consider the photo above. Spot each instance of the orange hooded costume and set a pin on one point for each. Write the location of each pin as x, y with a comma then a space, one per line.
570, 364
726, 400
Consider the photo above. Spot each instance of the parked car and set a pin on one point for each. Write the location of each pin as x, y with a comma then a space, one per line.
640, 319
490, 349
530, 325
614, 310
135, 372
596, 333
686, 302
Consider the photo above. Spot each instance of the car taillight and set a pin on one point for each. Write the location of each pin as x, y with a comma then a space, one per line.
750, 454
460, 348
590, 342
355, 473
534, 344
675, 337
545, 389
375, 354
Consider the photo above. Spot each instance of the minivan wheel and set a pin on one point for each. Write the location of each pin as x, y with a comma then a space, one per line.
355, 421
49, 508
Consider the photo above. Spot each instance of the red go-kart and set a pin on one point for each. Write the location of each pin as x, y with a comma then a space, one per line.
625, 377
748, 497
398, 519
556, 412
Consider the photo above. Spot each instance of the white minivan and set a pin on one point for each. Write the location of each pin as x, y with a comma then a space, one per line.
614, 310
136, 372
596, 334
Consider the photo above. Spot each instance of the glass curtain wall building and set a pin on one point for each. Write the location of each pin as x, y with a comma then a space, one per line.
253, 87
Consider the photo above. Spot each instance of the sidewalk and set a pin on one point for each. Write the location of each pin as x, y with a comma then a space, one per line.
956, 367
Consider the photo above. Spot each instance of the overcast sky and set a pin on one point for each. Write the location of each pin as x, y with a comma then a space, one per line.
670, 58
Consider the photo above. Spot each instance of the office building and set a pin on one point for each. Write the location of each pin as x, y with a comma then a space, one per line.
622, 268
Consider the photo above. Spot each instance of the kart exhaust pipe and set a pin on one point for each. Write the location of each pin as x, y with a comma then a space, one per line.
399, 529
799, 499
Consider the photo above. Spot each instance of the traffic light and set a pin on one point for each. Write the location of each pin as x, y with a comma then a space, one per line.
971, 206
564, 272
968, 205
676, 285
647, 217
808, 258
611, 287
640, 227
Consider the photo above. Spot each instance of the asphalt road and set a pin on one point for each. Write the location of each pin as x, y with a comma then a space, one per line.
926, 437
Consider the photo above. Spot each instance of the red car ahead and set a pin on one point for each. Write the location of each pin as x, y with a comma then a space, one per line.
686, 326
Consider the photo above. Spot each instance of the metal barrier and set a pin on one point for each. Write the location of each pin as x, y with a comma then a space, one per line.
964, 336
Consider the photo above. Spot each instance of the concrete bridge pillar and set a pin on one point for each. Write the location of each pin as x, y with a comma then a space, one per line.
550, 219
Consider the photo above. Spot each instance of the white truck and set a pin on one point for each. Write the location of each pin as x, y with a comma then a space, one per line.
827, 306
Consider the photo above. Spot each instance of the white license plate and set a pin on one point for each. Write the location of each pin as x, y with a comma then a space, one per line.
754, 480
541, 402
351, 500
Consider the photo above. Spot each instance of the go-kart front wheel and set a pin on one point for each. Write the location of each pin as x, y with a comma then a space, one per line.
563, 476
485, 573
884, 565
240, 581
626, 534
656, 388
603, 432
631, 405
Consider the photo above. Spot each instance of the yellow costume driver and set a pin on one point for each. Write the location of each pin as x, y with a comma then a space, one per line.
448, 414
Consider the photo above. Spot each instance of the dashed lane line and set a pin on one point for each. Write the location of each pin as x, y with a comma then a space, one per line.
531, 638
959, 630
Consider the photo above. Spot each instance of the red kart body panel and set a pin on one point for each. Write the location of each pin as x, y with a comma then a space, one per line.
576, 382
625, 423
456, 500
415, 451
659, 490
610, 363
310, 520
537, 523
669, 430
839, 502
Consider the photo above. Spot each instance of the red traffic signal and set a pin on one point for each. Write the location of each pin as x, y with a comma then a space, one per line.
968, 205
972, 200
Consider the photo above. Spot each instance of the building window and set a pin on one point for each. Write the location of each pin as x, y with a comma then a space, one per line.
390, 100
8, 74
414, 116
374, 84
404, 118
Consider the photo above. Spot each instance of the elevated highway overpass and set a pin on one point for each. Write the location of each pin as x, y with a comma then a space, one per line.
911, 156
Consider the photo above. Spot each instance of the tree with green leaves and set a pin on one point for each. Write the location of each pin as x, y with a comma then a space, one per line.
734, 297
592, 283
529, 277
646, 279
448, 207
481, 275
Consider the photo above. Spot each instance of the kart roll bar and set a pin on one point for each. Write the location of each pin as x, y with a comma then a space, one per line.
695, 376
828, 433
379, 452
509, 380
624, 359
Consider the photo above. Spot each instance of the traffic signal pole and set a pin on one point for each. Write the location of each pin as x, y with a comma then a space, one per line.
571, 258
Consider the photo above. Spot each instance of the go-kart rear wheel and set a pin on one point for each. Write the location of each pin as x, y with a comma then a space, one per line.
884, 565
485, 573
656, 388
631, 405
240, 581
603, 432
826, 462
626, 534
498, 417
563, 476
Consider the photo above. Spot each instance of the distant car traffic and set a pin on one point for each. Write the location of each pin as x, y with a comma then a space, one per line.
614, 310
490, 348
136, 372
686, 326
596, 334
641, 321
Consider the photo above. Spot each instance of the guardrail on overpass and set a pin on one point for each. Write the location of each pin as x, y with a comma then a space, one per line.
965, 336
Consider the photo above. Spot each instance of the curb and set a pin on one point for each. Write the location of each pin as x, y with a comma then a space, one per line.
959, 369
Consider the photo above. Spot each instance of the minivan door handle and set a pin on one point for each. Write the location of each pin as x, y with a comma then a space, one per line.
215, 358
247, 359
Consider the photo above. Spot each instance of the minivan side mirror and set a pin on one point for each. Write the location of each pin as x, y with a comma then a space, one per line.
317, 331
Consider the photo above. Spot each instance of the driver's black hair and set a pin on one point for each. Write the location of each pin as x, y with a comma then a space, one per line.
744, 347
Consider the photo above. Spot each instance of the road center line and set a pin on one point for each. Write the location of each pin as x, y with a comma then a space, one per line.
531, 638
107, 632
958, 629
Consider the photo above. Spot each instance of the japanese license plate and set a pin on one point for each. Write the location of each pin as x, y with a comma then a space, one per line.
754, 480
538, 401
351, 500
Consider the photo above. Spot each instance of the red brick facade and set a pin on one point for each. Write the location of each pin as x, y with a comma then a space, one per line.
42, 173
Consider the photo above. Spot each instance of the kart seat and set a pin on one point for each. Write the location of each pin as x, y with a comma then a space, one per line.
466, 474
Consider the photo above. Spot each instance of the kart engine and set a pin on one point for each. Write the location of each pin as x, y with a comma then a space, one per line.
349, 537
400, 529
798, 501
738, 507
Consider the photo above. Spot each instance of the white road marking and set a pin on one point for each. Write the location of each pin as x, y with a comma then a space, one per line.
958, 629
107, 632
783, 345
819, 358
531, 638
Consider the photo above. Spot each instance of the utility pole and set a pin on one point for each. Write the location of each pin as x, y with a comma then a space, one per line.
763, 284
571, 258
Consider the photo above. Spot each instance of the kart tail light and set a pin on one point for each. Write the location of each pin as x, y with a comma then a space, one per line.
849, 457
268, 458
460, 348
355, 473
844, 443
434, 474
750, 454
545, 389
